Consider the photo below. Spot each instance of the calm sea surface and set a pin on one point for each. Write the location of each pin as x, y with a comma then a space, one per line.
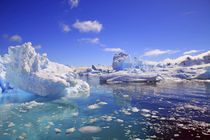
166, 110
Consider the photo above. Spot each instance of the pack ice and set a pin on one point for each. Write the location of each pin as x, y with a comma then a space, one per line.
35, 73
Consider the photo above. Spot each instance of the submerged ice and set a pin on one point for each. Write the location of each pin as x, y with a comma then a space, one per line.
32, 72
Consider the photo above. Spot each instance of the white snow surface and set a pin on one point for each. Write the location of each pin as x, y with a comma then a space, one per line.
35, 73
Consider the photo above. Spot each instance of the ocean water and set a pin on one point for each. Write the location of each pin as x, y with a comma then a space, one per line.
126, 111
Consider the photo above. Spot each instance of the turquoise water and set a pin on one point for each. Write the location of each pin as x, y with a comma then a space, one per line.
131, 111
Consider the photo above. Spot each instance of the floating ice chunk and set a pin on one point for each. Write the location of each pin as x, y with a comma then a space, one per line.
57, 130
125, 96
102, 103
94, 106
14, 131
93, 120
135, 109
11, 124
5, 134
146, 115
28, 125
30, 105
126, 76
90, 129
176, 135
22, 136
75, 114
51, 123
145, 110
47, 127
126, 112
70, 130
119, 120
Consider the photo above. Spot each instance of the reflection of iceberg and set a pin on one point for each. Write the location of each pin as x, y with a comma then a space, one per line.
33, 72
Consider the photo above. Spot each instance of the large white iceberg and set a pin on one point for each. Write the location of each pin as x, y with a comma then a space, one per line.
33, 72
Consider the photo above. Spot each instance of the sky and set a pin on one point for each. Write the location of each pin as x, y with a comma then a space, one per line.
85, 32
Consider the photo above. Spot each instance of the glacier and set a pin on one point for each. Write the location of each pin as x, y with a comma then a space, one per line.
32, 72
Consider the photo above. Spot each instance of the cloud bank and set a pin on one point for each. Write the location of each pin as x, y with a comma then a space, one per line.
16, 38
191, 51
159, 52
113, 50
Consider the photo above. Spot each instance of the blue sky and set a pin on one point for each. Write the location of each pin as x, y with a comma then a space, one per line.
85, 32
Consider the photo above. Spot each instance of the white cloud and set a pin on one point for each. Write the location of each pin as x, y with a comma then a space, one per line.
91, 40
88, 26
65, 27
113, 50
16, 38
73, 3
191, 51
38, 47
159, 52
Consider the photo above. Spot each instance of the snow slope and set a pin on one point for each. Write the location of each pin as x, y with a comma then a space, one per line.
35, 73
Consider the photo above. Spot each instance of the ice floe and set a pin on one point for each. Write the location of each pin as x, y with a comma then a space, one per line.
70, 130
90, 129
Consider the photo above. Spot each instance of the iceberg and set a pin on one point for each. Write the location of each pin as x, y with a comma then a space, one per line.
35, 73
121, 61
182, 68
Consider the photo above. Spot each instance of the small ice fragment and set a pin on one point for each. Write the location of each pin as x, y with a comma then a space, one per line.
153, 116
146, 115
93, 120
90, 129
135, 109
57, 130
145, 110
5, 134
11, 124
119, 120
74, 114
24, 135
47, 127
94, 106
180, 125
176, 135
51, 123
125, 96
153, 137
70, 130
28, 125
102, 103
14, 131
